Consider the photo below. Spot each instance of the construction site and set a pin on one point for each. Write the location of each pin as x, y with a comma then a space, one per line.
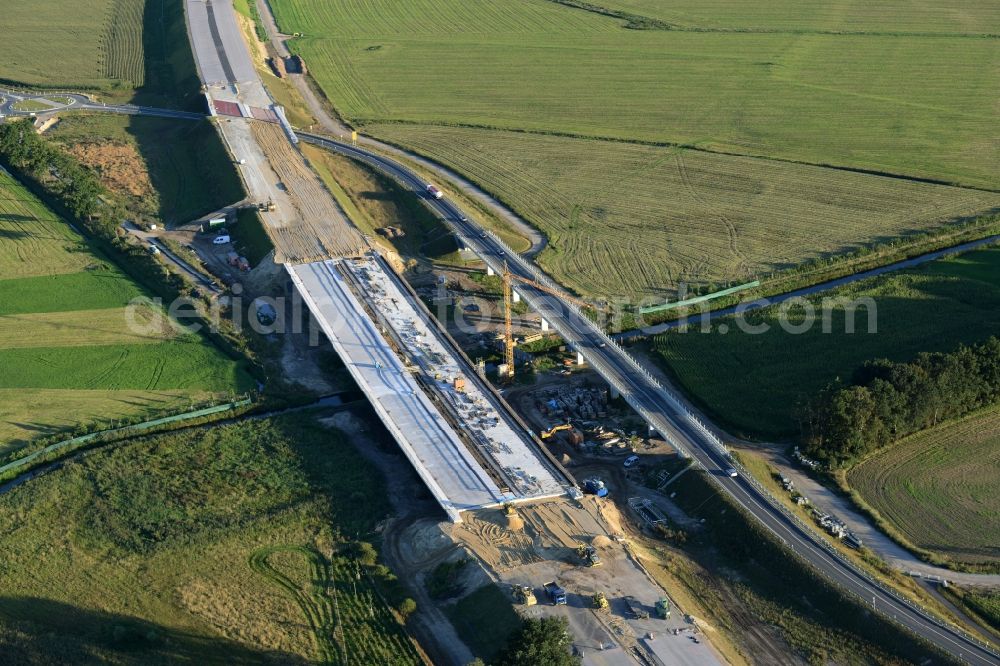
511, 503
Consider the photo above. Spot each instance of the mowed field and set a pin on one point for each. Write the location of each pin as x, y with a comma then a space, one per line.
216, 545
71, 349
633, 220
890, 17
815, 85
941, 488
93, 44
755, 381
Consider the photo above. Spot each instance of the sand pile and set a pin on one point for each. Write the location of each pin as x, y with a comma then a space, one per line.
515, 523
601, 541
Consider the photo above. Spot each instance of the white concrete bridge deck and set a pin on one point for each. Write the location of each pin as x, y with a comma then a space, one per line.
430, 441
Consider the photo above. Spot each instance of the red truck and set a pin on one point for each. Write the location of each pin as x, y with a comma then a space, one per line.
434, 192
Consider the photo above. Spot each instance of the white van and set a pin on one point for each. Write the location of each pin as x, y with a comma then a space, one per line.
221, 239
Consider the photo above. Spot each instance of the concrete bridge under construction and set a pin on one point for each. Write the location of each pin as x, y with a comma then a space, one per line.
468, 447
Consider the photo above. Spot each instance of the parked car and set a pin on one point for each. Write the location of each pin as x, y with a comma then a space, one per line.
221, 239
631, 460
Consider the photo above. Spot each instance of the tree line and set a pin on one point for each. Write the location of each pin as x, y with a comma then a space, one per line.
887, 401
75, 188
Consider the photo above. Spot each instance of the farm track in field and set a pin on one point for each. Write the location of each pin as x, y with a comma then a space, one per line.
625, 219
314, 599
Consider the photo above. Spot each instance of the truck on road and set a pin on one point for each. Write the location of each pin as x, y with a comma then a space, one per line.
556, 594
433, 191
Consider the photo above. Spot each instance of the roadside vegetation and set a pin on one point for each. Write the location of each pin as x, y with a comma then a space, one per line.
818, 620
165, 171
984, 605
488, 624
756, 382
231, 544
375, 202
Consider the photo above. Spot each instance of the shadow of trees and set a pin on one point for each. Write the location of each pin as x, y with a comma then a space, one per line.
44, 631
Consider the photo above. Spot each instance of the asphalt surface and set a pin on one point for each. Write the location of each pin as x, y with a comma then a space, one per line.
83, 103
814, 289
665, 414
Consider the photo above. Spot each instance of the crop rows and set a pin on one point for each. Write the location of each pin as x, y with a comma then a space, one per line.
936, 487
627, 219
321, 18
864, 100
37, 241
892, 16
65, 340
350, 623
123, 49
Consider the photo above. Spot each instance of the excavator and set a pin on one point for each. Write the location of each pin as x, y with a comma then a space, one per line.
545, 434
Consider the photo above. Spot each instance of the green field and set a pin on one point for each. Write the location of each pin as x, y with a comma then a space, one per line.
121, 50
941, 488
755, 382
219, 545
632, 220
574, 119
95, 44
68, 353
893, 17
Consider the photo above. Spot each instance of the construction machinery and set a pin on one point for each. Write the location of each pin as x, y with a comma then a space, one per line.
589, 556
594, 486
545, 434
508, 298
600, 601
556, 594
663, 608
524, 594
509, 509
266, 206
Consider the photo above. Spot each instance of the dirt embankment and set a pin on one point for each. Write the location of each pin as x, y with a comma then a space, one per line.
118, 165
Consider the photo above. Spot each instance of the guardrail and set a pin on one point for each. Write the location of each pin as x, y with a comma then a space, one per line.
713, 439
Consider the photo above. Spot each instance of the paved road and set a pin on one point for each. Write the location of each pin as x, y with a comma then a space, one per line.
661, 409
814, 289
664, 413
80, 102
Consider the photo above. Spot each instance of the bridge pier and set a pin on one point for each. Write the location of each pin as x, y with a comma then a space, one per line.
613, 390
545, 324
516, 297
579, 359
489, 270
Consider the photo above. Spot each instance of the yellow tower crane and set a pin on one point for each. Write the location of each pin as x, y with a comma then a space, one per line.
508, 297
